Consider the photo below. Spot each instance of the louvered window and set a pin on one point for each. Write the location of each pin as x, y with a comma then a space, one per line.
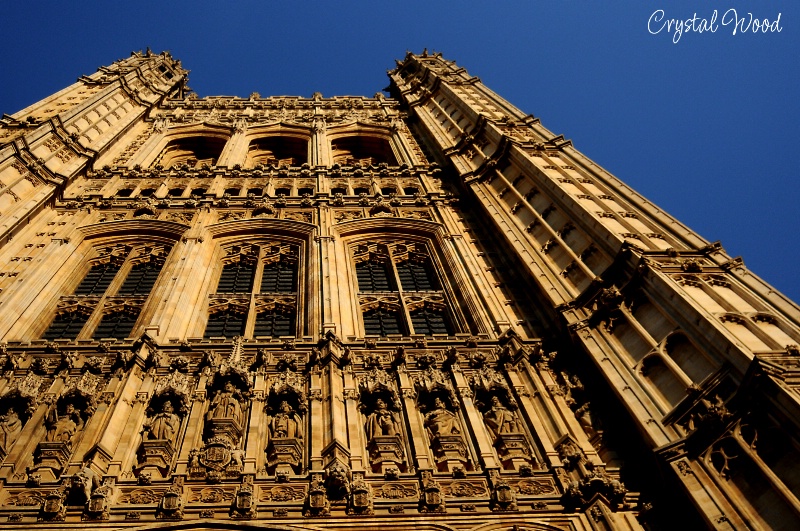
98, 279
261, 279
381, 322
66, 326
237, 277
104, 288
117, 325
225, 324
279, 277
372, 276
428, 321
274, 323
399, 277
414, 276
140, 280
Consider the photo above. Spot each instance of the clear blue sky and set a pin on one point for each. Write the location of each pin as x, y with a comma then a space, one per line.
706, 128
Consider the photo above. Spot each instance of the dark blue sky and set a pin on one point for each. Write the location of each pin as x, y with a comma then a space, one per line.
706, 128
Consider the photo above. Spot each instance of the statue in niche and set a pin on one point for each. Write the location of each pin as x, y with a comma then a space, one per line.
500, 419
441, 421
10, 428
226, 404
62, 427
164, 425
382, 421
285, 423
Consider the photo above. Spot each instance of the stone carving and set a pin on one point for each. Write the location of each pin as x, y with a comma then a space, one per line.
317, 503
440, 421
226, 404
171, 505
10, 428
431, 497
285, 423
163, 425
500, 419
61, 426
244, 505
382, 421
360, 496
444, 432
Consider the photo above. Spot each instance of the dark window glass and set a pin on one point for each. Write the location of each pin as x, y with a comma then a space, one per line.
147, 192
282, 191
359, 191
428, 321
97, 279
388, 190
381, 322
141, 279
410, 190
274, 323
342, 191
199, 191
309, 191
117, 325
237, 277
125, 192
231, 191
176, 192
279, 277
225, 324
66, 326
372, 276
414, 276
255, 191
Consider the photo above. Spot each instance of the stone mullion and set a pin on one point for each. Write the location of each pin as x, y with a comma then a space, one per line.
336, 428
538, 266
400, 295
329, 264
92, 431
21, 455
544, 405
475, 422
235, 149
254, 458
193, 436
320, 146
356, 443
419, 437
491, 310
196, 273
554, 235
315, 429
138, 398
527, 406
113, 439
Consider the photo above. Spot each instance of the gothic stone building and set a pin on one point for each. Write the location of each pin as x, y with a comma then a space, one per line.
420, 311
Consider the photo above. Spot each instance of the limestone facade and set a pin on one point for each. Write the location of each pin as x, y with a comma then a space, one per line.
422, 310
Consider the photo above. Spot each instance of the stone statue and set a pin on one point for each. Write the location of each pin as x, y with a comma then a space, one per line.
440, 421
10, 428
164, 425
285, 423
225, 405
500, 419
382, 421
84, 482
64, 427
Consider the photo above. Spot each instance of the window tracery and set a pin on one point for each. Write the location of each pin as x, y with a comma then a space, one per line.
398, 290
257, 292
110, 297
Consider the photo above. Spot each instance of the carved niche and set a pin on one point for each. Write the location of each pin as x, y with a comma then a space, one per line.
222, 454
285, 407
500, 413
16, 407
166, 411
437, 401
64, 423
382, 425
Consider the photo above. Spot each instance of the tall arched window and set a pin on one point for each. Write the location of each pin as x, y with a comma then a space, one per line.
109, 299
398, 290
257, 292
